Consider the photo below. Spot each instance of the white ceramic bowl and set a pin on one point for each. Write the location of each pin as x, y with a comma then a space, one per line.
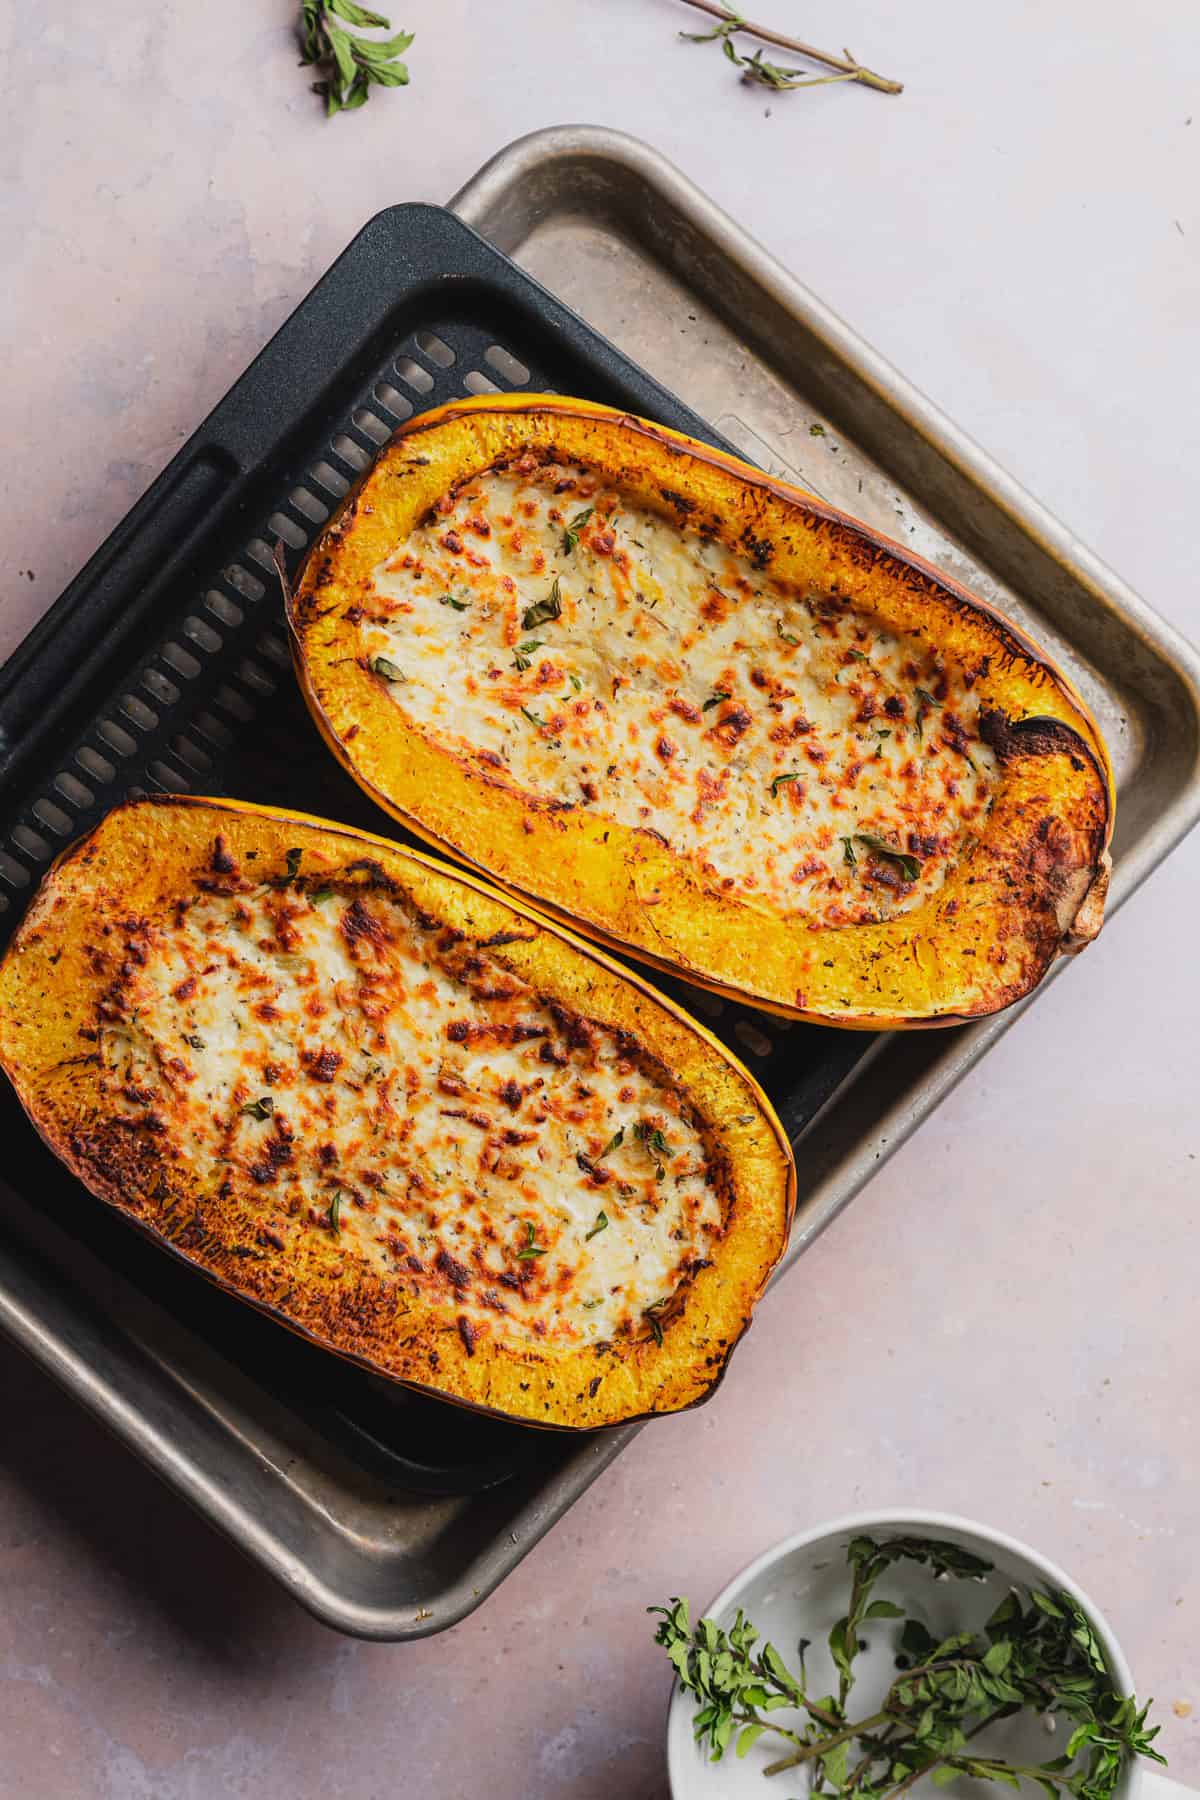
799, 1589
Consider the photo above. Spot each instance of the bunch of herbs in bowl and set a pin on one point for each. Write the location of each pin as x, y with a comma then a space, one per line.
861, 1663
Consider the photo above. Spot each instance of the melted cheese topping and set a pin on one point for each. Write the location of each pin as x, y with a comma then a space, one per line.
588, 652
346, 1070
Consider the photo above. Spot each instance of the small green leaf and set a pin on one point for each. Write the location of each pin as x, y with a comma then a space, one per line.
652, 1136
614, 1143
524, 652
334, 1215
655, 1143
534, 718
574, 527
342, 51
260, 1109
848, 855
998, 1657
778, 1668
910, 866
1008, 1610
388, 47
884, 1609
650, 1314
377, 69
543, 610
835, 1764
722, 1733
353, 15
714, 699
452, 600
600, 1225
837, 1647
1083, 1734
382, 665
531, 1247
785, 635
781, 780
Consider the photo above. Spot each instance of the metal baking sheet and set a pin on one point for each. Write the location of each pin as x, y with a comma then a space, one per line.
310, 1490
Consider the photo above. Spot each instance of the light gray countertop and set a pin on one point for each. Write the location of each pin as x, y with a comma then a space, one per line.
1004, 1323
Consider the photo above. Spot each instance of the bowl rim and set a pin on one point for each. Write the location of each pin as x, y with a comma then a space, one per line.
893, 1520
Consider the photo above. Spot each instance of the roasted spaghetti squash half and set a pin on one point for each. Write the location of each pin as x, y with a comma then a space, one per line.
403, 1115
703, 717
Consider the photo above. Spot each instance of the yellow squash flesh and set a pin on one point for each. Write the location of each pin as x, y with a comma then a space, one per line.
54, 986
1029, 886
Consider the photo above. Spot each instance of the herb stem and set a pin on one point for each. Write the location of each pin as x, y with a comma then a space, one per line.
939, 1761
860, 1769
751, 1718
902, 1787
819, 1712
852, 69
894, 1725
824, 1745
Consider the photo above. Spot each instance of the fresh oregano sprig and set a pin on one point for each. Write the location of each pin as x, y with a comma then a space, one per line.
756, 69
350, 65
1037, 1651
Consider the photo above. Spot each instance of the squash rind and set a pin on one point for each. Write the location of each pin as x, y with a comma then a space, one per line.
981, 943
49, 990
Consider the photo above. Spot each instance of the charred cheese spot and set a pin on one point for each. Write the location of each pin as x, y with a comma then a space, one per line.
572, 647
342, 1067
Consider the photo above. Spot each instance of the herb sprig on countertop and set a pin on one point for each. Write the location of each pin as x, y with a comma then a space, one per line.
757, 70
349, 65
1037, 1652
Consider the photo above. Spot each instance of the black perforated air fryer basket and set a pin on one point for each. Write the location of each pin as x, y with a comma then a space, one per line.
164, 667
